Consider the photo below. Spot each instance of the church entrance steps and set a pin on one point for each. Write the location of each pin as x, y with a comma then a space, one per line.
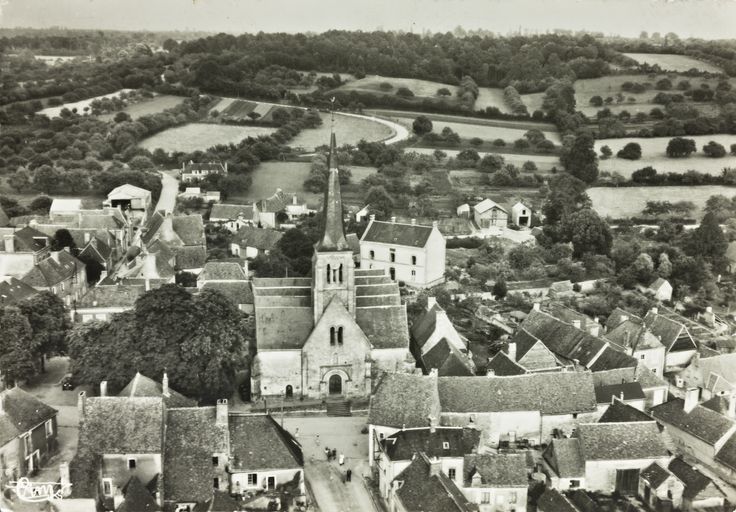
338, 408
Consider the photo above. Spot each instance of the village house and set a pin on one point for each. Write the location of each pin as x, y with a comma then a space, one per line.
22, 249
64, 207
488, 214
463, 211
229, 278
521, 215
206, 196
134, 202
436, 344
97, 252
699, 491
28, 437
660, 488
553, 500
620, 412
328, 335
281, 206
630, 393
679, 344
182, 235
60, 273
713, 376
527, 353
234, 216
655, 388
632, 336
195, 171
496, 482
660, 289
13, 290
151, 267
251, 241
564, 464
101, 302
142, 386
410, 253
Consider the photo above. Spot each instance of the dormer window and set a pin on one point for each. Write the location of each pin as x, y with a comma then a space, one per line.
131, 463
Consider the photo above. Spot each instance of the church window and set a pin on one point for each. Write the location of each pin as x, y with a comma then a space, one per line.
329, 274
339, 335
332, 335
340, 275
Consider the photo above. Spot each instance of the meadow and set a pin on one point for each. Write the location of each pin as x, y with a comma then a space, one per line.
154, 105
491, 97
288, 176
79, 105
194, 136
420, 88
543, 162
470, 129
672, 62
622, 202
349, 130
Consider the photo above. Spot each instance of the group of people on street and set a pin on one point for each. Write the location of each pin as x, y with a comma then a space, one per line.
332, 455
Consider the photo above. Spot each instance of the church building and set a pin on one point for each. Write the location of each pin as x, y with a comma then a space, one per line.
329, 334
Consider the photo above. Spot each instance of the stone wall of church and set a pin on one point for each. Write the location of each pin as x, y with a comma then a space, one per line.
274, 370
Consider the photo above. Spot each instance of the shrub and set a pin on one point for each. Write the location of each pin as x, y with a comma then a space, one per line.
404, 92
529, 166
679, 147
499, 143
521, 144
444, 91
631, 151
476, 141
422, 125
714, 150
385, 86
513, 100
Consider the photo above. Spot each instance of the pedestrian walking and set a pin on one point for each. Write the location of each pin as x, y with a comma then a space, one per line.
342, 459
349, 474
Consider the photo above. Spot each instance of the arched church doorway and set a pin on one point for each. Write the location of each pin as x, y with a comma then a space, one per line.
335, 385
289, 391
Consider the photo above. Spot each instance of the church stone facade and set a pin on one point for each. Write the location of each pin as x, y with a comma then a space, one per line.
328, 335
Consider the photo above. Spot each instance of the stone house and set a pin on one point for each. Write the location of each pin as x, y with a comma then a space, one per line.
659, 487
103, 301
410, 253
564, 464
521, 215
28, 434
679, 344
182, 235
660, 289
699, 491
251, 241
62, 274
21, 250
496, 482
195, 171
13, 290
630, 334
488, 214
63, 207
655, 388
630, 393
229, 278
290, 205
234, 216
713, 376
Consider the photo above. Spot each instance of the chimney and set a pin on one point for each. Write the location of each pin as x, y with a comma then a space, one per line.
413, 222
622, 396
654, 311
221, 416
87, 237
65, 480
372, 217
576, 324
431, 302
490, 373
148, 284
691, 399
103, 388
435, 466
432, 424
512, 350
594, 329
731, 413
536, 307
246, 269
624, 318
433, 373
9, 243
165, 385
393, 220
81, 402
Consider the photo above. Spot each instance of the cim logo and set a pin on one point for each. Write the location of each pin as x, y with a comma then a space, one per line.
37, 492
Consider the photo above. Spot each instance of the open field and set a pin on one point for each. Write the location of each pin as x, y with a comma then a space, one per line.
359, 173
491, 97
671, 62
193, 136
420, 88
623, 202
656, 146
349, 130
288, 176
155, 105
544, 162
79, 105
533, 101
519, 124
487, 133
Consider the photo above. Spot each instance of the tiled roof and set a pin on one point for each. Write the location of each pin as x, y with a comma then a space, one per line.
263, 239
153, 224
28, 239
222, 271
239, 292
549, 393
447, 360
274, 204
695, 481
625, 391
142, 386
723, 365
423, 492
114, 296
620, 412
98, 250
658, 283
404, 400
21, 412
385, 327
232, 211
701, 422
617, 316
394, 233
13, 290
496, 470
257, 442
655, 474
190, 256
190, 228
552, 500
137, 498
353, 242
443, 442
424, 326
502, 366
118, 425
640, 374
192, 439
565, 457
128, 190
486, 205
674, 335
621, 441
727, 454
48, 272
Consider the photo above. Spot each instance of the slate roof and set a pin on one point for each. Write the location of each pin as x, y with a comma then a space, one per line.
27, 239
727, 454
486, 205
552, 500
701, 422
629, 391
633, 334
503, 366
617, 316
192, 438
496, 470
723, 365
21, 412
695, 481
239, 292
222, 271
153, 224
640, 374
655, 474
142, 386
232, 211
119, 425
263, 239
14, 290
448, 360
404, 444
190, 256
549, 393
404, 400
621, 441
258, 442
190, 228
111, 296
565, 457
98, 250
674, 335
394, 233
48, 272
621, 412
137, 498
658, 283
422, 492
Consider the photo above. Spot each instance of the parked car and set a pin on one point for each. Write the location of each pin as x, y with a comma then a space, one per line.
67, 383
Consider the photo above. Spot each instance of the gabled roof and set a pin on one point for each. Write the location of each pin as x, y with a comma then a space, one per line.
48, 272
65, 205
722, 365
655, 475
263, 239
658, 283
448, 360
190, 228
727, 454
621, 441
624, 391
395, 233
190, 256
621, 412
404, 400
632, 334
496, 470
486, 205
640, 374
695, 481
141, 386
233, 211
552, 500
565, 457
443, 442
98, 250
421, 491
137, 498
29, 239
14, 290
119, 425
111, 296
21, 412
619, 315
503, 366
674, 335
701, 422
257, 442
549, 393
127, 191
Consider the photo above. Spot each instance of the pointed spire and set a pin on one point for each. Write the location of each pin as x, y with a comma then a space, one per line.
332, 155
333, 236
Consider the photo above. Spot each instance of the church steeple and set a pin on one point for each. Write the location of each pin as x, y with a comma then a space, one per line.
333, 236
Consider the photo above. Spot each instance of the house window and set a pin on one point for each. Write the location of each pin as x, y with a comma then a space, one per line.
392, 273
339, 335
512, 497
131, 463
27, 444
574, 415
451, 474
215, 461
574, 484
446, 445
252, 479
413, 260
392, 255
62, 287
372, 254
413, 274
485, 498
215, 483
107, 486
642, 356
49, 428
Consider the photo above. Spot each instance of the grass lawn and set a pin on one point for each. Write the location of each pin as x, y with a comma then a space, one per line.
157, 104
349, 130
622, 202
671, 62
288, 176
420, 88
544, 162
193, 136
491, 97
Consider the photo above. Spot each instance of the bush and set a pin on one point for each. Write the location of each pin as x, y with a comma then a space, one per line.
499, 143
422, 125
529, 166
631, 151
385, 86
679, 147
513, 100
521, 144
476, 141
404, 92
444, 91
714, 150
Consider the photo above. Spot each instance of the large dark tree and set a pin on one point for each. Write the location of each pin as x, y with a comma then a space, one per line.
18, 359
580, 159
566, 195
707, 241
680, 147
50, 323
588, 233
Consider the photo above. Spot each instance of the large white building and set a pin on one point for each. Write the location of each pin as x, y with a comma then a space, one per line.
410, 253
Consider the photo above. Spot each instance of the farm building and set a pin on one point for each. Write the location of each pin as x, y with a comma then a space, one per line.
463, 211
234, 216
489, 214
64, 207
250, 241
521, 215
194, 171
133, 200
280, 202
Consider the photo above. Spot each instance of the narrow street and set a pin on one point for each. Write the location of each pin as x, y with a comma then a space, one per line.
169, 191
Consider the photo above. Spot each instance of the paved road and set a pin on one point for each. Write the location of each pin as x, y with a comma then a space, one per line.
169, 191
326, 478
